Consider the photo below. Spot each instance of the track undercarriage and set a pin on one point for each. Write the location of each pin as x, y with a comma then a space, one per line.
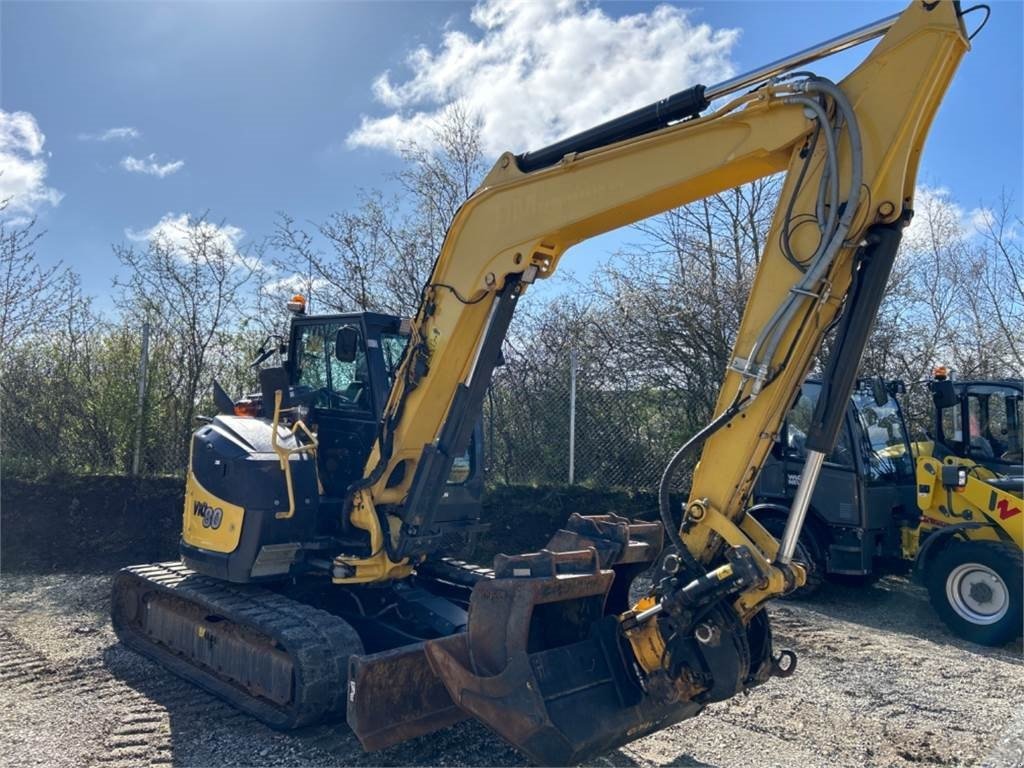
525, 648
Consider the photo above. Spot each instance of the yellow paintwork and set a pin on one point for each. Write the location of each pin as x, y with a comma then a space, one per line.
645, 639
223, 538
1000, 512
518, 221
379, 567
284, 454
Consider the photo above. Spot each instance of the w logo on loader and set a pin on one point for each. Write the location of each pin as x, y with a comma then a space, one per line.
1003, 505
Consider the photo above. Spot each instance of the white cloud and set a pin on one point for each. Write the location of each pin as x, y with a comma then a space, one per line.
112, 134
538, 71
982, 219
23, 165
151, 166
939, 218
178, 232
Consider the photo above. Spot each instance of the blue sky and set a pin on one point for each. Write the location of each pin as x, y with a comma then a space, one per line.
245, 109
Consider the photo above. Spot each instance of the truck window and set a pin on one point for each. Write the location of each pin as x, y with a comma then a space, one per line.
799, 421
885, 439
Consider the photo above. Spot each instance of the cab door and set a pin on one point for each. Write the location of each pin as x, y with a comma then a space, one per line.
836, 495
344, 407
887, 469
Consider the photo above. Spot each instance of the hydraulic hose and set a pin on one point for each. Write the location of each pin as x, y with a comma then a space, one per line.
665, 485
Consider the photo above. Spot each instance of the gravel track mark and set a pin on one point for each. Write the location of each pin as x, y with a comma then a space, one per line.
879, 683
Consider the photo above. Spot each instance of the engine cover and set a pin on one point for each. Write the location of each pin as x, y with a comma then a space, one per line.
234, 492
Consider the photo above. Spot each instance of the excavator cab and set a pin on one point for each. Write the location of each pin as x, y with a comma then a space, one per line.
325, 402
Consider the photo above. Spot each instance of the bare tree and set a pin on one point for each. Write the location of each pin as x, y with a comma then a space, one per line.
29, 292
189, 282
1002, 282
378, 256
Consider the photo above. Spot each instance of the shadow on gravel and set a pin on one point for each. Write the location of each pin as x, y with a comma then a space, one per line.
896, 604
682, 760
203, 730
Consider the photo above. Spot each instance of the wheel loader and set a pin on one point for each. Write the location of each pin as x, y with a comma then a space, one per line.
378, 626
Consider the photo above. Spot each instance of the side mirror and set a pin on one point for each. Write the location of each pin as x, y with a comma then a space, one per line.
943, 393
346, 344
879, 391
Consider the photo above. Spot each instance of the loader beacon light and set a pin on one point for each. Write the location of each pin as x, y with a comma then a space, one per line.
297, 304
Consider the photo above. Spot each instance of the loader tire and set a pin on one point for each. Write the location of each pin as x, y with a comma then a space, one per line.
976, 588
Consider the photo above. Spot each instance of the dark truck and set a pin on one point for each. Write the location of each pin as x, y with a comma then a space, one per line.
865, 502
865, 494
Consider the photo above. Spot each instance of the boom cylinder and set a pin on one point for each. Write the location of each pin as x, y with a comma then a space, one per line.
801, 501
692, 101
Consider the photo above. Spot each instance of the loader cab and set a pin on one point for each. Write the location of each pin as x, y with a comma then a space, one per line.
980, 421
865, 492
349, 360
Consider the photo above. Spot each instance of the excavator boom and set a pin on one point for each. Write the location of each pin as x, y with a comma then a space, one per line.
850, 152
549, 635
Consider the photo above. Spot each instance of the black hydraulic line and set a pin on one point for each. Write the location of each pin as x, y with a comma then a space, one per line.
665, 486
875, 263
678, 106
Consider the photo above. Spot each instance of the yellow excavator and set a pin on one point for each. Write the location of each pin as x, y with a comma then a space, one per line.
297, 606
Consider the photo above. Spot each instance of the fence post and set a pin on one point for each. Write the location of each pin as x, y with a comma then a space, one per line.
143, 365
572, 415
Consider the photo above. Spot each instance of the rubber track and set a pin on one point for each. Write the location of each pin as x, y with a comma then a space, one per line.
318, 643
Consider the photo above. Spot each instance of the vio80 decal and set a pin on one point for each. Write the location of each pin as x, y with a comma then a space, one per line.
211, 516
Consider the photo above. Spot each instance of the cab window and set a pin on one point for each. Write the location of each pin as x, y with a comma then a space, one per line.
798, 423
338, 385
392, 347
952, 428
994, 423
885, 440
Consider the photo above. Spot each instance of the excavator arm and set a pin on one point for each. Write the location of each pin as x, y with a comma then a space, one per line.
553, 634
850, 153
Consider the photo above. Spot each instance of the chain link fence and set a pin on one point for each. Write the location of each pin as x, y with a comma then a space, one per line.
98, 404
563, 422
577, 427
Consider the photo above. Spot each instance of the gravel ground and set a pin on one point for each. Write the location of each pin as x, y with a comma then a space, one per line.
880, 683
